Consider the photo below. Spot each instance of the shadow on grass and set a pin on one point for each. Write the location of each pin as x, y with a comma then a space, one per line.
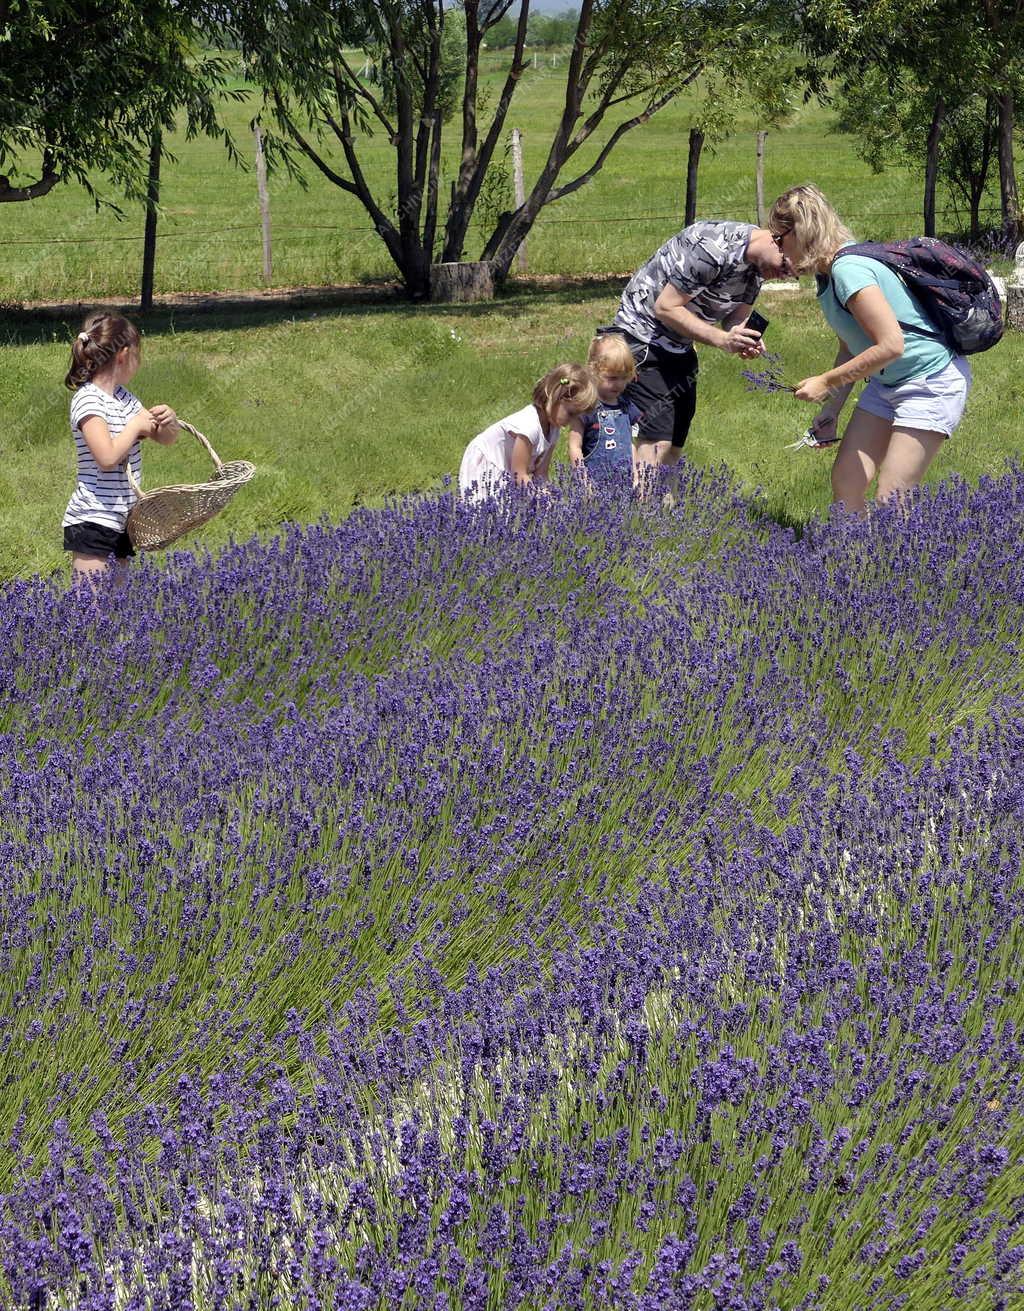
773, 509
28, 326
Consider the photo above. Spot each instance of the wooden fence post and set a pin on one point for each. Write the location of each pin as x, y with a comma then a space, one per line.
762, 137
520, 190
149, 236
692, 165
264, 197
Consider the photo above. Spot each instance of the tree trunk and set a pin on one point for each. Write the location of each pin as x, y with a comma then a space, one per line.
762, 137
477, 156
149, 235
1007, 173
976, 215
931, 168
462, 282
416, 276
692, 165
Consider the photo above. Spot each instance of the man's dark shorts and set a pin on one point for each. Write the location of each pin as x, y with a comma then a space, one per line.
664, 391
98, 540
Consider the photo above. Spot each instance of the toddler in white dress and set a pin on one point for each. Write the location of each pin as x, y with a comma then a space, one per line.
521, 445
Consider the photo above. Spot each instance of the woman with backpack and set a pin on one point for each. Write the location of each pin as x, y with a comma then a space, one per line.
917, 381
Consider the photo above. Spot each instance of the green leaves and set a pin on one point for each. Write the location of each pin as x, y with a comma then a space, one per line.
90, 84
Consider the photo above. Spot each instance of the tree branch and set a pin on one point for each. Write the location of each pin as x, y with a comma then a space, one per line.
381, 221
609, 100
504, 100
47, 180
475, 163
409, 200
430, 221
609, 146
357, 186
308, 150
496, 14
474, 36
429, 124
360, 90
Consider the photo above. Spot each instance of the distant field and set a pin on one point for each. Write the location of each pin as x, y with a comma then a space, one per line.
59, 247
343, 407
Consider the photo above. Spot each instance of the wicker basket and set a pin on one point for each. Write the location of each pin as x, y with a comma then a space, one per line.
161, 516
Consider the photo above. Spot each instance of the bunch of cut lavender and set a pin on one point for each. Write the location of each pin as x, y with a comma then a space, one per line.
769, 379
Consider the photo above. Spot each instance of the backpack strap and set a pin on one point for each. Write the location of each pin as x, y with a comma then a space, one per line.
907, 327
922, 332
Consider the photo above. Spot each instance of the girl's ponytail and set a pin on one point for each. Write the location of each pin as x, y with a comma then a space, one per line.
566, 384
102, 336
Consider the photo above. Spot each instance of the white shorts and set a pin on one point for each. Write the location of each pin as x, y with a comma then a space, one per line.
934, 404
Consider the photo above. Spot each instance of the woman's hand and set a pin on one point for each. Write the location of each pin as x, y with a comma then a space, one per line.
814, 389
825, 426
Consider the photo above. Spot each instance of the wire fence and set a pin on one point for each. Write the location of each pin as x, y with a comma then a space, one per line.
181, 231
583, 220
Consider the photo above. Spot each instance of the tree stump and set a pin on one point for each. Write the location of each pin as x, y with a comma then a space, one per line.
462, 282
1015, 293
1015, 307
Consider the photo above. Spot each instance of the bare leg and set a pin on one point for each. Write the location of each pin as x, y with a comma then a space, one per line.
910, 452
669, 457
645, 462
858, 459
93, 570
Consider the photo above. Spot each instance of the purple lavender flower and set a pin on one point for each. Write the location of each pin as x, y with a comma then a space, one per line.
768, 379
521, 907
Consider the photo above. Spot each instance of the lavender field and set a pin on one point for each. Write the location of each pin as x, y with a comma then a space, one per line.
563, 905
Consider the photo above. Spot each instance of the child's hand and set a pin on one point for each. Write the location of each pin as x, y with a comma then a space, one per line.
145, 422
167, 425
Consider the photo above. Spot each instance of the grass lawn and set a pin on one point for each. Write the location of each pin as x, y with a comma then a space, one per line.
60, 247
344, 407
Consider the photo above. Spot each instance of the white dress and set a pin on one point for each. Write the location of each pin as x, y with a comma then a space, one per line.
488, 458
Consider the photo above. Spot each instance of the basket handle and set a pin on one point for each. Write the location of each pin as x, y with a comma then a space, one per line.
217, 461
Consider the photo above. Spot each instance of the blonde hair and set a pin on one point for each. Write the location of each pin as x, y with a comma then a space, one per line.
570, 385
818, 230
95, 347
610, 356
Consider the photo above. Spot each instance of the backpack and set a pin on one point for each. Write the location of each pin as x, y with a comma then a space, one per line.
955, 292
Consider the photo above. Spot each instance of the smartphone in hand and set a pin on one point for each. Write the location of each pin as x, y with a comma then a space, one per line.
756, 322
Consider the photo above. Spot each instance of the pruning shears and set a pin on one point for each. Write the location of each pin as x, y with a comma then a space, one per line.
812, 441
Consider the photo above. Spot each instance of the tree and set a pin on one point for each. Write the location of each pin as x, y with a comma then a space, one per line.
753, 70
83, 86
544, 30
628, 59
890, 120
970, 141
941, 51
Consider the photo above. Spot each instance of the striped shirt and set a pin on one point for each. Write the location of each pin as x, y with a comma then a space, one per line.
102, 496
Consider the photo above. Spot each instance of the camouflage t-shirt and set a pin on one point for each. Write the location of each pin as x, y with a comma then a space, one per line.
705, 260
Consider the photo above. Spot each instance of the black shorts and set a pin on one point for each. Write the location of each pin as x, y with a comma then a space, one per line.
664, 391
96, 539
